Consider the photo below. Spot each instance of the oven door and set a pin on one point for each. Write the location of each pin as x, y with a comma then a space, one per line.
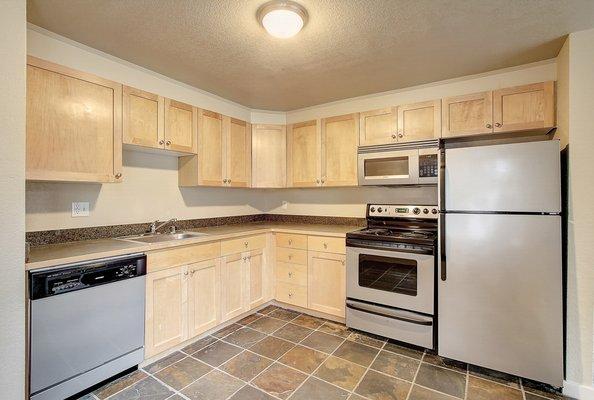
389, 168
391, 278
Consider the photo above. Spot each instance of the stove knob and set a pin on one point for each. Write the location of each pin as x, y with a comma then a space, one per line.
416, 210
425, 211
379, 209
372, 209
434, 211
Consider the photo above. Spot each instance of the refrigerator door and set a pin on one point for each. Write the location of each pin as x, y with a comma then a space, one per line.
500, 305
520, 177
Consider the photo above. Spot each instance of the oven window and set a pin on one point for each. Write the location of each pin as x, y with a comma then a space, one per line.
396, 275
389, 166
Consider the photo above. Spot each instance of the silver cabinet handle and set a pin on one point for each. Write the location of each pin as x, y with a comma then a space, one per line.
168, 142
498, 125
161, 142
488, 126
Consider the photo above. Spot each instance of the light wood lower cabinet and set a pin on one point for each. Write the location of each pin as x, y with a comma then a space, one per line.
166, 309
204, 296
234, 288
257, 278
326, 282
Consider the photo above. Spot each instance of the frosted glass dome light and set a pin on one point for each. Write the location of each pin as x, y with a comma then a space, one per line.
282, 19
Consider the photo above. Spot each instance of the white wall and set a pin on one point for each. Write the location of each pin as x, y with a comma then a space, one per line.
150, 190
578, 58
12, 198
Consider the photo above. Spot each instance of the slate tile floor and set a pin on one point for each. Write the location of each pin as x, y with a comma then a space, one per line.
281, 354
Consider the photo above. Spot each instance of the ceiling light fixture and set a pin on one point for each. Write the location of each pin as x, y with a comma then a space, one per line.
282, 19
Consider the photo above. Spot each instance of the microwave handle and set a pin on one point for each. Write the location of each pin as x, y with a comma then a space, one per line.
413, 167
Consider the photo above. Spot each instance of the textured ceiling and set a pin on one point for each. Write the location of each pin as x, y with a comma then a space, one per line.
348, 48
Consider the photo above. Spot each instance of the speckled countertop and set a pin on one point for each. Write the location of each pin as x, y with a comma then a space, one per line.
52, 255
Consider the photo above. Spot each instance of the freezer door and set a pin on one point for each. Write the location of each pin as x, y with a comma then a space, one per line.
521, 177
500, 305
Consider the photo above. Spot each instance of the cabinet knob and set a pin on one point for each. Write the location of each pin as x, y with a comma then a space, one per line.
325, 245
118, 175
401, 135
228, 180
290, 242
224, 180
318, 181
244, 258
342, 262
290, 256
168, 142
186, 273
290, 295
393, 136
161, 142
323, 180
488, 126
290, 274
498, 125
245, 244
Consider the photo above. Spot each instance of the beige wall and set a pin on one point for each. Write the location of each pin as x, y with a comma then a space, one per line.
150, 191
12, 198
578, 58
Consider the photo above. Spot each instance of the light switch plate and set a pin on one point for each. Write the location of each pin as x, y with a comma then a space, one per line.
80, 208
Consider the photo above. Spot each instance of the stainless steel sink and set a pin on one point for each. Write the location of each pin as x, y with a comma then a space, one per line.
162, 237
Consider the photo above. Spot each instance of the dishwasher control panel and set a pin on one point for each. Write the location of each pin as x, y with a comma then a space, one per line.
75, 277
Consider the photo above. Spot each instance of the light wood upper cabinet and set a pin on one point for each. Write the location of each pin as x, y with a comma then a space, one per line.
181, 122
143, 118
524, 107
238, 152
304, 154
166, 309
234, 286
74, 125
204, 296
269, 156
419, 121
470, 114
326, 282
210, 149
340, 138
378, 126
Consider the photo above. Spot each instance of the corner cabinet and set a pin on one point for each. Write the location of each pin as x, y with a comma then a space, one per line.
74, 125
323, 152
269, 156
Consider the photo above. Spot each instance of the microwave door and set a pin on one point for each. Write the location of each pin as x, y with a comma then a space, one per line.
389, 168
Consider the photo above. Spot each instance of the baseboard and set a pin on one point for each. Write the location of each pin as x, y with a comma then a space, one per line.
577, 391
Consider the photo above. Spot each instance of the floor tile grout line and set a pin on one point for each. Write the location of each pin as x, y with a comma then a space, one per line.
413, 383
367, 370
467, 381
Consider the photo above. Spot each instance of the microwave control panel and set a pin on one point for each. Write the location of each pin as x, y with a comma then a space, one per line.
428, 166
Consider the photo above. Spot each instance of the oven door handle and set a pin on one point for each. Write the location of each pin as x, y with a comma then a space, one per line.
381, 311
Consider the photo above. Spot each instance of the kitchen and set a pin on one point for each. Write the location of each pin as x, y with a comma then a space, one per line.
375, 245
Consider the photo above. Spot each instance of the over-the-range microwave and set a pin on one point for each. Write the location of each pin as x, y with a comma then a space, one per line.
399, 164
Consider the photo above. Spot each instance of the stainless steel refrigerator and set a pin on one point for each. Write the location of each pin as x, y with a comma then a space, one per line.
500, 279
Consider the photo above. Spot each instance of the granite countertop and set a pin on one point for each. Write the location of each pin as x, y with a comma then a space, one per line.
52, 255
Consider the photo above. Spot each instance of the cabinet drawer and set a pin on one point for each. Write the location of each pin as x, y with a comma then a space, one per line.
163, 259
291, 255
291, 294
326, 244
247, 243
291, 273
291, 241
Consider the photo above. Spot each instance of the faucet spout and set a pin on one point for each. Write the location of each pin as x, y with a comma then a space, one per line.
155, 226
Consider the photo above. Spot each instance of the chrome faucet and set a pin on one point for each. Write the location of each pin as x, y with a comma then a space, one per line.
155, 226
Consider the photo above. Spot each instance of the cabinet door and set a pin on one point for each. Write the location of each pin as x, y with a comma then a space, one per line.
326, 282
340, 137
419, 121
524, 107
233, 286
269, 156
238, 152
180, 126
378, 126
74, 125
303, 154
210, 149
257, 278
166, 309
471, 114
143, 118
203, 296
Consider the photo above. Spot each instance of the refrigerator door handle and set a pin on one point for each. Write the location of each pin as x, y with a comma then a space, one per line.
442, 249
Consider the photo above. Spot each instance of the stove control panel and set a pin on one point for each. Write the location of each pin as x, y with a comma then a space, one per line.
402, 211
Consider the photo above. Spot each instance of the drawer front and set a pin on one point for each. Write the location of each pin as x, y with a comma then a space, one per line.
292, 241
247, 243
326, 244
163, 259
295, 274
291, 294
292, 256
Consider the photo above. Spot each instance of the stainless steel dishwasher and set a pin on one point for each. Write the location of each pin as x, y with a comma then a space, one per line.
86, 324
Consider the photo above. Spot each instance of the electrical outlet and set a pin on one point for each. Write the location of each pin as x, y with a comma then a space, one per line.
80, 208
285, 205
